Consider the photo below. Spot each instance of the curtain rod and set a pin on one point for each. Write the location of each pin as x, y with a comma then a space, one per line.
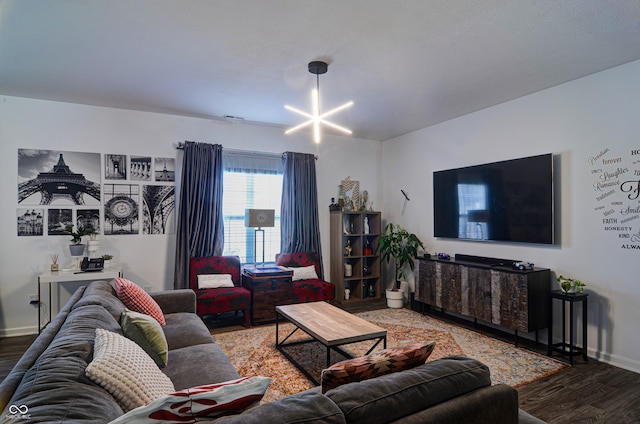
180, 146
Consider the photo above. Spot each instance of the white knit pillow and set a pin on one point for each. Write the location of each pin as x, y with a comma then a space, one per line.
214, 281
123, 369
304, 273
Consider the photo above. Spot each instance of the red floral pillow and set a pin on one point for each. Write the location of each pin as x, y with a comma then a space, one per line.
136, 299
376, 364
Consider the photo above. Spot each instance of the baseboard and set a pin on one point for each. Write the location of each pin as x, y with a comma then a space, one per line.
615, 360
20, 331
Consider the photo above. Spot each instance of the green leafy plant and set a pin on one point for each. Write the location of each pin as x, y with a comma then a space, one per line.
90, 231
398, 244
568, 284
76, 236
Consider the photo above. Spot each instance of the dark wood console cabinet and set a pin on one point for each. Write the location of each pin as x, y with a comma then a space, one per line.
500, 295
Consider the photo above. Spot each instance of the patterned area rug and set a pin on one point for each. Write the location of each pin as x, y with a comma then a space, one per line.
252, 351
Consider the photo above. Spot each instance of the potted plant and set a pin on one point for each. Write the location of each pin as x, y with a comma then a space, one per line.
93, 244
570, 285
76, 247
398, 244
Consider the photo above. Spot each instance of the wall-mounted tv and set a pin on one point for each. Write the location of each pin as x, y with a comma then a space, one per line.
508, 201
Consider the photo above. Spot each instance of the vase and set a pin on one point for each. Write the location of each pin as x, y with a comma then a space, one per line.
395, 298
92, 247
348, 270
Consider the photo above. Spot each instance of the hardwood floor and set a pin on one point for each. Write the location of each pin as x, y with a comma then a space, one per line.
591, 392
11, 349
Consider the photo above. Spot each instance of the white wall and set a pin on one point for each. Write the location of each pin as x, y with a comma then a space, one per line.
574, 121
147, 259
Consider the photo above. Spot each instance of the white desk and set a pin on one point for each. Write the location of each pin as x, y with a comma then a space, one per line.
66, 276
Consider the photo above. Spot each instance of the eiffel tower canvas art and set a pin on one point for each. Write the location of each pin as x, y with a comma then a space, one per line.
46, 177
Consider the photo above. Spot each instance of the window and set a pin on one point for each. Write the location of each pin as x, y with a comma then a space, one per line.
472, 215
251, 181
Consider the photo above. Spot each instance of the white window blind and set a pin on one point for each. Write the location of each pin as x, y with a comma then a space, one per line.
472, 201
251, 181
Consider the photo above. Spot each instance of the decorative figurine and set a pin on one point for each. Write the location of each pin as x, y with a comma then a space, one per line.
348, 248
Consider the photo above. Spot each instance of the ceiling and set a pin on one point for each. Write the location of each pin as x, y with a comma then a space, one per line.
406, 64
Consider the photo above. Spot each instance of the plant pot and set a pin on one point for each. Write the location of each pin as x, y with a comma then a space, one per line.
76, 249
395, 298
92, 247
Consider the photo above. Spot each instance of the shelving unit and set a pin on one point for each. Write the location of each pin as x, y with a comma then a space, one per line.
349, 229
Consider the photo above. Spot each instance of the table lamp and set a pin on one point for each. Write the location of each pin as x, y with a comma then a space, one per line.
258, 218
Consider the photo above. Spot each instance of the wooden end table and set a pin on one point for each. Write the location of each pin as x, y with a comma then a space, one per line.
329, 325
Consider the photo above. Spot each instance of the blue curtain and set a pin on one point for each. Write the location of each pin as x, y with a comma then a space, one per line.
200, 229
299, 223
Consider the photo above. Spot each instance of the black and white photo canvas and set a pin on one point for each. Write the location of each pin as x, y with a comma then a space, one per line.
140, 168
115, 167
53, 177
158, 205
30, 222
121, 209
165, 169
57, 220
86, 217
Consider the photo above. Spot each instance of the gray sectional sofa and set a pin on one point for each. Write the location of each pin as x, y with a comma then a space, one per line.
50, 377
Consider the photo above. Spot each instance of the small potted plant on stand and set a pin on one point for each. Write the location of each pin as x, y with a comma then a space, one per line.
398, 244
570, 285
76, 248
93, 244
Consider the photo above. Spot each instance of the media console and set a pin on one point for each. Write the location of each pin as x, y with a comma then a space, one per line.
486, 289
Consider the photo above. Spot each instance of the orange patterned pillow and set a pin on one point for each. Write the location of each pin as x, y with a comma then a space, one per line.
376, 364
138, 300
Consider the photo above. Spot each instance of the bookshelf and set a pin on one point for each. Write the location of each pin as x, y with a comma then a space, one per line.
354, 238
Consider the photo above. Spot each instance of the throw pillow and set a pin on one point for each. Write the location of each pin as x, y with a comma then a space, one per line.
209, 401
214, 281
304, 273
123, 369
138, 300
376, 364
147, 333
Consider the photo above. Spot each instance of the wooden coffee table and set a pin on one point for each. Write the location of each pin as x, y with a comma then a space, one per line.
329, 325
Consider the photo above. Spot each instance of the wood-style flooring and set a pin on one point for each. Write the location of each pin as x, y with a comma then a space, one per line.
591, 392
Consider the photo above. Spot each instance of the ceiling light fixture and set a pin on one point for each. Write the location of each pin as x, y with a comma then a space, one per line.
315, 118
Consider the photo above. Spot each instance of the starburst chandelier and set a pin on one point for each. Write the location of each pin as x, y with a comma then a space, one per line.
316, 118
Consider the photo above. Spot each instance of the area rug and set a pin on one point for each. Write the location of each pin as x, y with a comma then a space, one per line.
252, 351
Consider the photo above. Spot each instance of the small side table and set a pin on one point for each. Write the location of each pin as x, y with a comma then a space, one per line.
57, 277
270, 286
565, 347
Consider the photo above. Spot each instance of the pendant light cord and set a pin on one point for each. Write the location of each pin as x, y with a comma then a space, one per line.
318, 89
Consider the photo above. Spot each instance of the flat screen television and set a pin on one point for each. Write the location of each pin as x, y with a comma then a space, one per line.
507, 201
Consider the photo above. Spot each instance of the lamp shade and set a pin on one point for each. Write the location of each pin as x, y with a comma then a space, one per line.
259, 218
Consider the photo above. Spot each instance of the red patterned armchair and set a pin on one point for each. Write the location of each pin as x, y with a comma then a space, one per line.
211, 301
308, 289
